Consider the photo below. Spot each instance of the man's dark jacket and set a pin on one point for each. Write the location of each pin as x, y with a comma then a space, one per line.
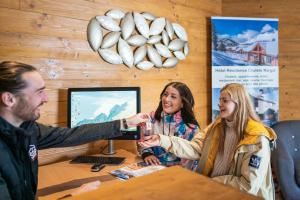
18, 151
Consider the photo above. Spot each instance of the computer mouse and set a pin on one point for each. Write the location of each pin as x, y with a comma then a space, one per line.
97, 167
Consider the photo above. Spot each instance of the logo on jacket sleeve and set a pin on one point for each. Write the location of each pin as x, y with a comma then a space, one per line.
32, 152
254, 161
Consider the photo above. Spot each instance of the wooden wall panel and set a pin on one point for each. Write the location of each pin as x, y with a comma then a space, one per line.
47, 33
10, 4
289, 49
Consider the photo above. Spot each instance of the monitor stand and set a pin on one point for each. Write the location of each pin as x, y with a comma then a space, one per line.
110, 148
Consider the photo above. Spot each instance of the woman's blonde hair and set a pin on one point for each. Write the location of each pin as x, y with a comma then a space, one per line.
244, 109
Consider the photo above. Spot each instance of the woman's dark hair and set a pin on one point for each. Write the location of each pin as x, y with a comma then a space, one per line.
11, 76
187, 112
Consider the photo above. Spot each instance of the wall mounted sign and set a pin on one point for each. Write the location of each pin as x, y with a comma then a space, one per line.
137, 39
245, 51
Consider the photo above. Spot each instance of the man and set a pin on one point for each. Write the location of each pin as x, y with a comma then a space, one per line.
22, 93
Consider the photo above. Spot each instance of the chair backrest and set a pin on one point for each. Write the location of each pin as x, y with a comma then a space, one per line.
286, 158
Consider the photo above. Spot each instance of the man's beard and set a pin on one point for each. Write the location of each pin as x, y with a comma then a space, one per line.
24, 111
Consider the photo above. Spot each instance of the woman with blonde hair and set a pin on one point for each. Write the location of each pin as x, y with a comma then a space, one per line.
235, 149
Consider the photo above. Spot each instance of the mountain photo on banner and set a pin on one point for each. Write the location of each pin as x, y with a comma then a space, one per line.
244, 42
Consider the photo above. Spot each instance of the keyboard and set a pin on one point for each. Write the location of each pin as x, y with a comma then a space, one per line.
98, 159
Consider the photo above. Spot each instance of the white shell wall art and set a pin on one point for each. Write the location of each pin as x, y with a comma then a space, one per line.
127, 26
137, 40
125, 52
148, 16
155, 41
170, 62
165, 38
145, 65
110, 39
176, 44
140, 54
180, 32
110, 56
157, 26
169, 29
115, 14
141, 24
163, 50
154, 56
186, 49
179, 54
94, 34
108, 23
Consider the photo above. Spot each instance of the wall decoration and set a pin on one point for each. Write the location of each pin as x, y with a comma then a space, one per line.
52, 68
137, 39
245, 51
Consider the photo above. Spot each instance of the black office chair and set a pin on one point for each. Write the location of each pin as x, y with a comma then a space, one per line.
286, 158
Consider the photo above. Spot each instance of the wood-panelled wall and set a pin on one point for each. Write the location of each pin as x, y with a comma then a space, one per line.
44, 33
53, 32
287, 11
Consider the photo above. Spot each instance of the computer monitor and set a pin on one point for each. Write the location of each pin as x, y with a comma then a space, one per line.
103, 104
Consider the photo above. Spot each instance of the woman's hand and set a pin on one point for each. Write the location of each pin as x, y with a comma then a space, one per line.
150, 141
152, 160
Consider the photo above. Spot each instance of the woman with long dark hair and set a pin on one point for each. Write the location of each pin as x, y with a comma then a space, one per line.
174, 116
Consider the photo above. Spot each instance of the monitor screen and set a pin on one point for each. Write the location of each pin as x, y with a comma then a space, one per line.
96, 105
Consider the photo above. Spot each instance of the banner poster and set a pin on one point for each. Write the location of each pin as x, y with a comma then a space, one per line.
245, 51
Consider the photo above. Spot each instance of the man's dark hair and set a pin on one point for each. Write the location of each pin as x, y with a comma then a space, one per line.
11, 76
187, 112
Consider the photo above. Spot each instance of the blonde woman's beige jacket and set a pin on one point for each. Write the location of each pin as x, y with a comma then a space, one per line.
251, 169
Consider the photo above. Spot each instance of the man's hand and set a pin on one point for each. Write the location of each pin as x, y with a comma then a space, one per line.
86, 187
150, 141
137, 119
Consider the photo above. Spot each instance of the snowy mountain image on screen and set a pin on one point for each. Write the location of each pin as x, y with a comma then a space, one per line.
244, 43
102, 117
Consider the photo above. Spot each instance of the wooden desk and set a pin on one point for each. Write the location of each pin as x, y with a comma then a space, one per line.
167, 184
59, 179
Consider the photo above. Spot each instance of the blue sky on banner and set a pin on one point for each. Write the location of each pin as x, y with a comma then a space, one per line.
235, 26
246, 29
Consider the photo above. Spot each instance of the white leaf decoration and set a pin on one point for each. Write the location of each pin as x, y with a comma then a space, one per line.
94, 34
108, 23
148, 16
110, 39
176, 44
157, 26
154, 56
137, 40
180, 32
145, 65
179, 55
154, 39
163, 50
115, 14
127, 26
141, 24
169, 29
170, 62
125, 52
186, 49
165, 38
110, 56
139, 54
